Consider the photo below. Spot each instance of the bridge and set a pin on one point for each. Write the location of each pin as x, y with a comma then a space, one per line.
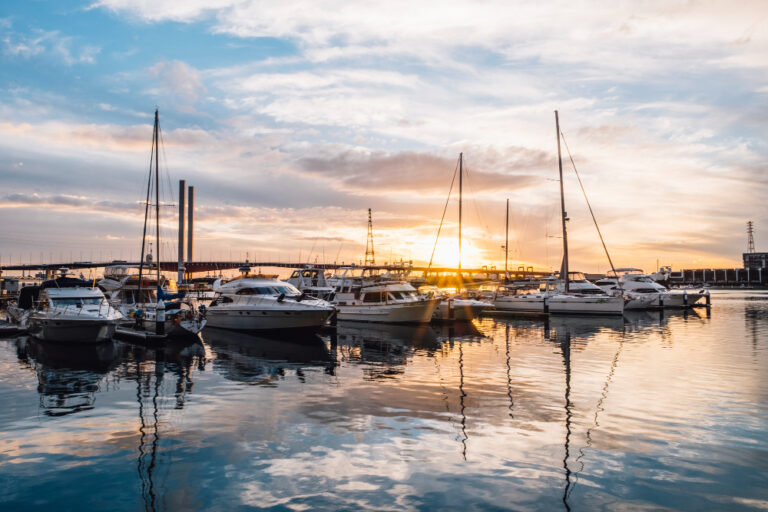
194, 267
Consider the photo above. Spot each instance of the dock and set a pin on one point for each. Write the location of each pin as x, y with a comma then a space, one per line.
140, 336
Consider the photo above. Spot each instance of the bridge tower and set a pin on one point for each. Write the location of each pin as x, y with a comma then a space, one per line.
750, 237
370, 257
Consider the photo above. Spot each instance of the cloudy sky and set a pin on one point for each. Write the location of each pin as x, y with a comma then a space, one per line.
292, 118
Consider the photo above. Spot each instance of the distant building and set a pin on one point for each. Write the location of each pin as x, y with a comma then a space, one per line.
756, 260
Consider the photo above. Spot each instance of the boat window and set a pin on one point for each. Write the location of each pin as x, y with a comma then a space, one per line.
74, 301
372, 297
247, 291
306, 273
287, 289
295, 273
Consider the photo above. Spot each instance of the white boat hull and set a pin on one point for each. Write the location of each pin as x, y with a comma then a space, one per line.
267, 319
178, 323
398, 313
640, 300
586, 305
459, 310
520, 304
679, 299
71, 330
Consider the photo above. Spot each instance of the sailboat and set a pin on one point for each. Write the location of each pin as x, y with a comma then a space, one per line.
141, 298
569, 301
457, 308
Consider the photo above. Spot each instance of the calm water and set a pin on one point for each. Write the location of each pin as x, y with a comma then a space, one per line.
646, 413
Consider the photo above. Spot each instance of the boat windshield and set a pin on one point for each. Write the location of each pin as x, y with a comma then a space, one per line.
75, 301
576, 277
285, 289
402, 295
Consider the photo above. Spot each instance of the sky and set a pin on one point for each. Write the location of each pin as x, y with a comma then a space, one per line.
292, 118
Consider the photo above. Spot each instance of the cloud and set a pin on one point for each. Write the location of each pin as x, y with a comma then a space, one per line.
179, 78
423, 173
40, 42
654, 34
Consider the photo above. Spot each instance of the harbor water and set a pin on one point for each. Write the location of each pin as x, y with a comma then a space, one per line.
649, 412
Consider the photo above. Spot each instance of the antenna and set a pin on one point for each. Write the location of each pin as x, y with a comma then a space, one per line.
750, 237
370, 257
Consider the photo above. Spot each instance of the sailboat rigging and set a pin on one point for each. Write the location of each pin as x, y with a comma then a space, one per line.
142, 298
587, 298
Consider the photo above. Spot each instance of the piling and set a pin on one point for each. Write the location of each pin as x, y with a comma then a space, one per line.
182, 192
190, 223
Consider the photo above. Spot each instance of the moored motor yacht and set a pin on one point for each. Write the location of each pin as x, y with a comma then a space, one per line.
374, 299
257, 303
311, 282
68, 310
637, 284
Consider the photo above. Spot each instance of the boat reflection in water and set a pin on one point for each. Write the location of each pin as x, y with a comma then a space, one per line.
148, 366
262, 360
465, 330
390, 345
68, 376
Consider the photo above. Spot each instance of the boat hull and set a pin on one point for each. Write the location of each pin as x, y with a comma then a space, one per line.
679, 299
178, 323
520, 304
585, 305
398, 313
71, 331
248, 319
458, 310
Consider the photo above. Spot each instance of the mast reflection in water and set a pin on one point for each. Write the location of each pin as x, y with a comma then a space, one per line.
650, 411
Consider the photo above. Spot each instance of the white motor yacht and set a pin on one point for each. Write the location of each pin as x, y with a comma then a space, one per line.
578, 283
637, 284
371, 299
69, 310
311, 282
257, 303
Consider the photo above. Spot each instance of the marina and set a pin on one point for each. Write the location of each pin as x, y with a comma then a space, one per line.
449, 256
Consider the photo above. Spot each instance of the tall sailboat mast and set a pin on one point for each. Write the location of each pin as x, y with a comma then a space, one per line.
506, 243
157, 193
562, 206
461, 185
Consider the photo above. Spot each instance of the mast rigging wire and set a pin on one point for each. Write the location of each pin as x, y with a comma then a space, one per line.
588, 204
445, 209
